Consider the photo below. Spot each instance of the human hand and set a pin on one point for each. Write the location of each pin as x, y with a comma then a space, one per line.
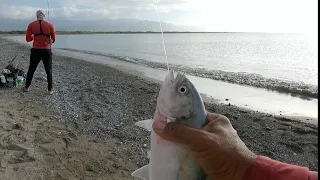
217, 147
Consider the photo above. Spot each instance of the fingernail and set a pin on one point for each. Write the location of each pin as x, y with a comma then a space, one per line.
159, 125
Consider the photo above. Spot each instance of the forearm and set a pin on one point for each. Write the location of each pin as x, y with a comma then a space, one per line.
53, 33
264, 168
53, 37
29, 36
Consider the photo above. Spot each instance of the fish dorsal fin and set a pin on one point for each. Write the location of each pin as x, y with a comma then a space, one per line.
145, 124
142, 173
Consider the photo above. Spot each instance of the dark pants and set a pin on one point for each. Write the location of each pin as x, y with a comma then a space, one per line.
36, 56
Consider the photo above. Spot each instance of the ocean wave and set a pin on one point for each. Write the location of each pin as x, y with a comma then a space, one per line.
299, 89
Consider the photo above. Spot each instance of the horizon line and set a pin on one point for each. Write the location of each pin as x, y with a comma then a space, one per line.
128, 31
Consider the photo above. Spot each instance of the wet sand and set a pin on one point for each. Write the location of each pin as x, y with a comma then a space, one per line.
85, 131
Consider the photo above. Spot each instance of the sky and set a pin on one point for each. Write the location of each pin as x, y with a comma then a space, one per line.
208, 15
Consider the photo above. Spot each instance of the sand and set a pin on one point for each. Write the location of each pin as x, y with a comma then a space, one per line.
85, 131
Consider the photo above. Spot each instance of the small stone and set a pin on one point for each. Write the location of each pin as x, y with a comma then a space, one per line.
93, 140
144, 145
268, 128
16, 126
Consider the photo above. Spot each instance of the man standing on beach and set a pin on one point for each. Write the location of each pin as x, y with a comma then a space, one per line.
42, 33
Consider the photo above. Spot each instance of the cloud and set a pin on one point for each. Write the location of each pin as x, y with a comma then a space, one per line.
98, 15
132, 5
214, 15
93, 9
16, 12
123, 8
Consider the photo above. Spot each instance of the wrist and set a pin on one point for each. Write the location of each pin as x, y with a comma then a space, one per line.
245, 161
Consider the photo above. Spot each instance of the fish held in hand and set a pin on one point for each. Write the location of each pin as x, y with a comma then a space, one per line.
178, 101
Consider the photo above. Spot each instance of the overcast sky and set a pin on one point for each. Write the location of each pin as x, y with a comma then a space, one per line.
211, 15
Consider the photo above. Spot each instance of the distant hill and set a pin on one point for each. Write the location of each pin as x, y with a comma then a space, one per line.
105, 25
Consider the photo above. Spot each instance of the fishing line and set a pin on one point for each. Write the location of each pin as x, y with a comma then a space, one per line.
163, 42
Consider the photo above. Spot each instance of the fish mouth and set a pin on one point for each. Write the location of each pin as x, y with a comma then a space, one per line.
175, 78
167, 117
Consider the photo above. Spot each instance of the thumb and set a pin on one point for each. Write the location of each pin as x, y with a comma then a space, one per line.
178, 133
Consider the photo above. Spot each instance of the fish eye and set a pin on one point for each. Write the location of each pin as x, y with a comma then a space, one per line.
183, 89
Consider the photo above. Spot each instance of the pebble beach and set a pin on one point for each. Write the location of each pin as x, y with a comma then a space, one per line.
86, 129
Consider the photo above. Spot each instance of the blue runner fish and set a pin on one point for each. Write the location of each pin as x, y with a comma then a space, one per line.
178, 100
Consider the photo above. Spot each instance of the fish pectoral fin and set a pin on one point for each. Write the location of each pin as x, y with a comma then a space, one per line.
142, 173
145, 124
148, 154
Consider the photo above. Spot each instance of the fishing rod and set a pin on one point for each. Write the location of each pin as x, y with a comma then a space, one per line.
11, 61
48, 6
48, 9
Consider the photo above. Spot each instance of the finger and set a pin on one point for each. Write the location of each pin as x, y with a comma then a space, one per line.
178, 133
212, 116
217, 118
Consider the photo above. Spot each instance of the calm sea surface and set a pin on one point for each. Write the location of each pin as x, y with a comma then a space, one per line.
281, 56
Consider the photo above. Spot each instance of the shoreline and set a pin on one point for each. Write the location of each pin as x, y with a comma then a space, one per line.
286, 87
207, 98
286, 113
86, 130
303, 119
295, 89
256, 100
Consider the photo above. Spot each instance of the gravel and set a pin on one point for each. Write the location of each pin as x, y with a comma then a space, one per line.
102, 102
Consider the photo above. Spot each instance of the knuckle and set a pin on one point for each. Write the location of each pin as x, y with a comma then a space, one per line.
213, 115
224, 117
235, 132
175, 132
171, 128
